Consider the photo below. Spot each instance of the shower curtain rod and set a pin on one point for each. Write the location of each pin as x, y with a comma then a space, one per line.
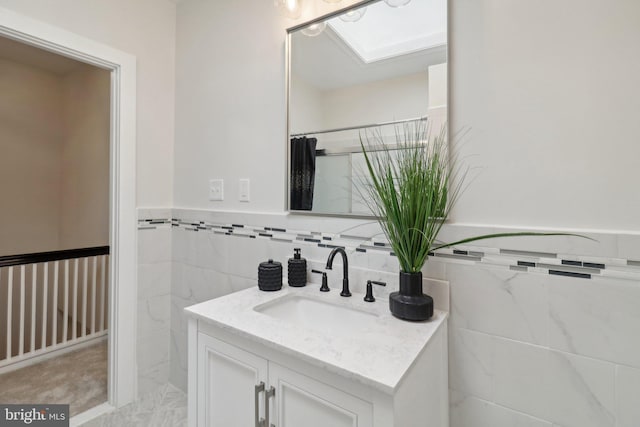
395, 122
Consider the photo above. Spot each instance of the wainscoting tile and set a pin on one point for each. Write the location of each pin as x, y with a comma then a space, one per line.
471, 362
375, 260
502, 322
604, 244
239, 283
597, 318
629, 246
468, 411
198, 284
183, 245
154, 313
503, 417
628, 397
153, 349
439, 291
499, 302
570, 390
154, 280
154, 245
178, 361
249, 253
210, 251
178, 318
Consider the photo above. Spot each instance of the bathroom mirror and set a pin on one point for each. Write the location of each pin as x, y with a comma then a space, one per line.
370, 68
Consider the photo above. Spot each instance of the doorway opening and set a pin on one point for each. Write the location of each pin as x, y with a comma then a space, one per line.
54, 228
121, 269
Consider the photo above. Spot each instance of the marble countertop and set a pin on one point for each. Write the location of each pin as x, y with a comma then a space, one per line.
378, 355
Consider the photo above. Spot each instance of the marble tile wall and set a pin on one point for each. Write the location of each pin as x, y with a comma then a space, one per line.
211, 261
528, 346
154, 303
556, 351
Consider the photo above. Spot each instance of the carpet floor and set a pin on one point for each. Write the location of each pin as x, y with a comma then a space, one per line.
78, 378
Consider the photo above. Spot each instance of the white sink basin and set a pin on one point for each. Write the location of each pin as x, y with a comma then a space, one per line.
319, 315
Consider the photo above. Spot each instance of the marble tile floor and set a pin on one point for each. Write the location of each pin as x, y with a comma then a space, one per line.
77, 378
166, 407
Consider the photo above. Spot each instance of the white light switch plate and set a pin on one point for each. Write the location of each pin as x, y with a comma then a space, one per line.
244, 190
216, 189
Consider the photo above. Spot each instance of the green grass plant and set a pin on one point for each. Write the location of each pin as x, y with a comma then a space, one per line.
411, 188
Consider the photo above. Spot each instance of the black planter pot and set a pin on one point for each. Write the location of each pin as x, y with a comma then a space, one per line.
410, 303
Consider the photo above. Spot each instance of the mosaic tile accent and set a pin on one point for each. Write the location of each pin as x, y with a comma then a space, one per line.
154, 223
517, 260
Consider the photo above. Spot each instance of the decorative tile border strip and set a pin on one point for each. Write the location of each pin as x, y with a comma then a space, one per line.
516, 260
152, 224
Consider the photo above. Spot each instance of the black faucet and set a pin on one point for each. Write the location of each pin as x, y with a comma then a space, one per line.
345, 268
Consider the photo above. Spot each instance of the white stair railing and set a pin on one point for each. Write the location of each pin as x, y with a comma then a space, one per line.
51, 301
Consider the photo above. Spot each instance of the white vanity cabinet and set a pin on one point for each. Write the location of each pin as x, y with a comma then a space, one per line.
227, 384
238, 388
280, 377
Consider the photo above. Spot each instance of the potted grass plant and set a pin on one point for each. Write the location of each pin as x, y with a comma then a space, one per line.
411, 188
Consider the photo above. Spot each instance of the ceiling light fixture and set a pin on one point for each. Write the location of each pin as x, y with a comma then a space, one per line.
289, 8
397, 3
353, 15
314, 29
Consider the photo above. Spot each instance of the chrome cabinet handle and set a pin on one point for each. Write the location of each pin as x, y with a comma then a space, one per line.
268, 395
260, 422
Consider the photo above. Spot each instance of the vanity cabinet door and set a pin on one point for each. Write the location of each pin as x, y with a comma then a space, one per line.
303, 401
226, 382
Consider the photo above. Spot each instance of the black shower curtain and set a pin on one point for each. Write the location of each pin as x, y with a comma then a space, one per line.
303, 172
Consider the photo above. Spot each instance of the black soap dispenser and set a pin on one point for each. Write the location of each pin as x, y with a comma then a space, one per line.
297, 270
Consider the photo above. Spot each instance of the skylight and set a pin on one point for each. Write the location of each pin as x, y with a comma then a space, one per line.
385, 32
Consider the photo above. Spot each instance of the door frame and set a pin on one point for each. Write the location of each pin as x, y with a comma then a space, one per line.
122, 367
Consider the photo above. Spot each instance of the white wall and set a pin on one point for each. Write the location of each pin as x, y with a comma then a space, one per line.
305, 110
438, 85
31, 132
382, 101
230, 104
549, 90
549, 95
146, 29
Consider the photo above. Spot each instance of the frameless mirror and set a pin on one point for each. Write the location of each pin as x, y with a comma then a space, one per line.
378, 65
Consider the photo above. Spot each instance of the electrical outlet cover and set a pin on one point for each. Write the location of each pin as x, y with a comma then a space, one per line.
244, 190
216, 189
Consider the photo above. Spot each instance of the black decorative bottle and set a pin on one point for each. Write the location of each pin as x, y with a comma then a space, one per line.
297, 270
